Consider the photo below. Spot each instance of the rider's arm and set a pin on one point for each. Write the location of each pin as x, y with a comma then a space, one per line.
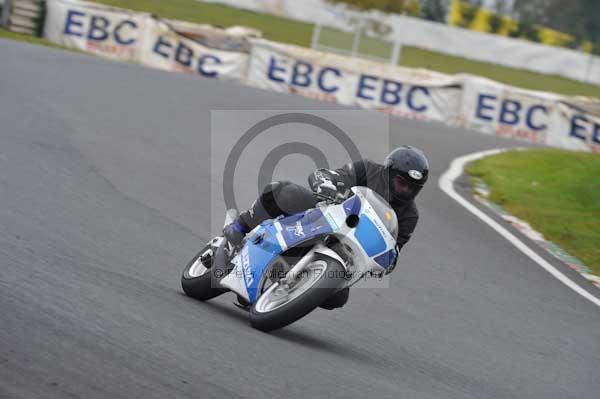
406, 226
408, 217
354, 173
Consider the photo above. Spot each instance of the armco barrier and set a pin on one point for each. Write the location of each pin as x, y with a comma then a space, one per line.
460, 100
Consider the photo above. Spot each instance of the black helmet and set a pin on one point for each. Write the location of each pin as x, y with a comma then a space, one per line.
407, 169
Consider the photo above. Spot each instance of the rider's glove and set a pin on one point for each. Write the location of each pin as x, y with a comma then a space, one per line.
325, 182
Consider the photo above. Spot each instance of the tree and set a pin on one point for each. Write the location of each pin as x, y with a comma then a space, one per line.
469, 11
591, 23
532, 10
530, 13
434, 10
578, 18
496, 17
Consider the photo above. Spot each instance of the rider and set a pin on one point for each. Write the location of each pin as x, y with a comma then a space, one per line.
399, 180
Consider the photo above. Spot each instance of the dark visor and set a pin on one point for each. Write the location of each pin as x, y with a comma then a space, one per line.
403, 189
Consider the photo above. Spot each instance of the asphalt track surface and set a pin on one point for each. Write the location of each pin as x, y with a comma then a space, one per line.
104, 196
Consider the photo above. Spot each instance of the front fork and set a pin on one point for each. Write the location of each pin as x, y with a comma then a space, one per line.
318, 250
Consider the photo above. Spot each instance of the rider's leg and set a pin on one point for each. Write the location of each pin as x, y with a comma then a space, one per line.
278, 198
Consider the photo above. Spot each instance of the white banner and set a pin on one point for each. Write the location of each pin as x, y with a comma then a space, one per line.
165, 49
574, 129
95, 29
131, 36
537, 117
409, 93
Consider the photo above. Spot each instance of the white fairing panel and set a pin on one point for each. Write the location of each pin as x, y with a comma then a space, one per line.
234, 282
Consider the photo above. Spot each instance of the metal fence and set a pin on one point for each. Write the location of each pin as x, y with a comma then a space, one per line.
361, 43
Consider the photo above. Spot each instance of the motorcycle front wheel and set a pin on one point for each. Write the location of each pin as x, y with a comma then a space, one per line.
280, 305
197, 280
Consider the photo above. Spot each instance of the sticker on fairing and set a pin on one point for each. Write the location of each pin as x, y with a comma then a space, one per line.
304, 226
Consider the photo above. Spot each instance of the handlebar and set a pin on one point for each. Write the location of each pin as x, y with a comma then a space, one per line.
329, 199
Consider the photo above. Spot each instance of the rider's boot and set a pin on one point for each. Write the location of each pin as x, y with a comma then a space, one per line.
232, 233
235, 232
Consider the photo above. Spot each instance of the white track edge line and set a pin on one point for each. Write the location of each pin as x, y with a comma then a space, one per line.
446, 184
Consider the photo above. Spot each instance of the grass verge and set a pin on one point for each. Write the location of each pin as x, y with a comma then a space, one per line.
557, 192
6, 34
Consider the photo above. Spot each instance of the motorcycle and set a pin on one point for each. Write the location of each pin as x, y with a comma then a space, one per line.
288, 266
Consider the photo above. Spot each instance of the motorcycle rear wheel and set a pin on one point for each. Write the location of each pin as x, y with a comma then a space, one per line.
197, 280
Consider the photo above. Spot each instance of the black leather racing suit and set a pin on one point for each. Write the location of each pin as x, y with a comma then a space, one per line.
287, 198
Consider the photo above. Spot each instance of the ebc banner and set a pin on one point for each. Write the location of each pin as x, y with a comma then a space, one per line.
95, 29
165, 49
409, 93
538, 117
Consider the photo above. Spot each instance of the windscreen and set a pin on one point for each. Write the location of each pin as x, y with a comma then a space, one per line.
382, 209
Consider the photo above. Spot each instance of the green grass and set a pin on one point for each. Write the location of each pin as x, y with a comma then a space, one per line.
557, 192
6, 34
299, 33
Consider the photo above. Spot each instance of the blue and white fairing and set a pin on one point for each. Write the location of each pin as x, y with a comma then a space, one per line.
371, 242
